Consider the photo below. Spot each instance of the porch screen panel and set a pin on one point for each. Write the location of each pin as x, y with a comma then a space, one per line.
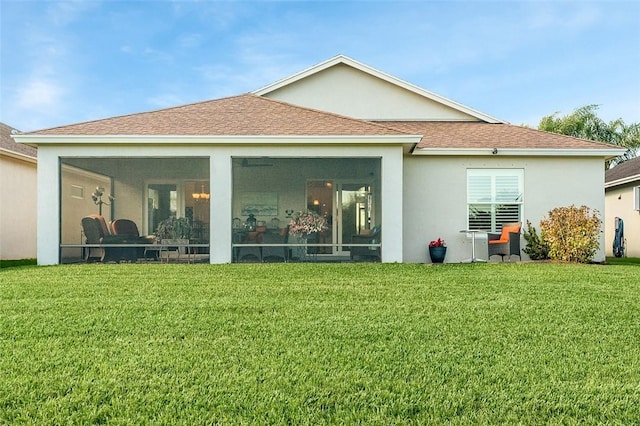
494, 197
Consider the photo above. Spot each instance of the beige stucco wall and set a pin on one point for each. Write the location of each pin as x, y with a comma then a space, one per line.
17, 207
619, 202
345, 90
435, 197
77, 185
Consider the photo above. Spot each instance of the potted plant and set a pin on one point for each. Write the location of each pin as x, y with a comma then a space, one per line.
305, 225
437, 250
174, 228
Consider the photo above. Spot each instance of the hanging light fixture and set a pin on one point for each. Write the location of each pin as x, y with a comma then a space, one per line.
201, 195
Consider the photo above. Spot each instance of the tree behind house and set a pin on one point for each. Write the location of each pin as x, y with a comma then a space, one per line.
584, 123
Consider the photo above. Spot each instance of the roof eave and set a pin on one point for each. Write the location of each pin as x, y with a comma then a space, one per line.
39, 140
342, 59
521, 152
623, 181
18, 155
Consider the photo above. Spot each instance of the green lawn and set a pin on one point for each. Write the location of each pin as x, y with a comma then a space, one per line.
315, 344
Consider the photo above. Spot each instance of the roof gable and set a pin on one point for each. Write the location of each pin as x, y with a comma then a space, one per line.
348, 87
237, 115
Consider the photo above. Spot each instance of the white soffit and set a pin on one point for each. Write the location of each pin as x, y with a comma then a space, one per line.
341, 59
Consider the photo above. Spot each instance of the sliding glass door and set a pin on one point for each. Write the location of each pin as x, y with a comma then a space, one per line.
162, 203
348, 207
356, 212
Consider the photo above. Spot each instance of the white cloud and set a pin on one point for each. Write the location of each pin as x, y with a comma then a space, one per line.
39, 94
64, 13
158, 55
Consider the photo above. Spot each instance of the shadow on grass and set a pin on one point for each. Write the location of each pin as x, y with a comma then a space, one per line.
623, 261
20, 262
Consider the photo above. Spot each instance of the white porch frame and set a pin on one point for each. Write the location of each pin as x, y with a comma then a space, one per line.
220, 155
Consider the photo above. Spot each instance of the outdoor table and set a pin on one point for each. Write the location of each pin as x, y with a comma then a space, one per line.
473, 233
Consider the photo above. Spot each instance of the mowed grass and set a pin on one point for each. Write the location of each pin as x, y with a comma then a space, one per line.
320, 344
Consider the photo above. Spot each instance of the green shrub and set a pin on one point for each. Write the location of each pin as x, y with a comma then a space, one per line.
537, 247
572, 233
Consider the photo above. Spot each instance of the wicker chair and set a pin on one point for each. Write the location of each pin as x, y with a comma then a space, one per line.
96, 232
128, 230
507, 243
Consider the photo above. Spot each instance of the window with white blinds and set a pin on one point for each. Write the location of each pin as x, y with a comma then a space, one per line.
494, 197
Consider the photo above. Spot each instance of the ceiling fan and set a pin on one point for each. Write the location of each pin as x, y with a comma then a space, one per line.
246, 163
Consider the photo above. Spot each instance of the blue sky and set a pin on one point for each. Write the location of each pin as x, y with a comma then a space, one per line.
67, 62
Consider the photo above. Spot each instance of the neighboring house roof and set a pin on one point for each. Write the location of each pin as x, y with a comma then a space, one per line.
238, 115
623, 173
341, 59
478, 135
7, 143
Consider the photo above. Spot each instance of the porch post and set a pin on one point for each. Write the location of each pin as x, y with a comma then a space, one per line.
392, 192
220, 211
48, 207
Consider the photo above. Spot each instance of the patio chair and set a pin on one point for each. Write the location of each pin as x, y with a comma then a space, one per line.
373, 237
507, 243
274, 253
128, 229
96, 232
250, 253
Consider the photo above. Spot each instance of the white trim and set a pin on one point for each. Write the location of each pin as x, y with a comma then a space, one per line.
636, 198
18, 156
341, 59
524, 152
622, 181
219, 140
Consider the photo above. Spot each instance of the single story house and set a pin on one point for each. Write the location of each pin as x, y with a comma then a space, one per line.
622, 200
18, 171
362, 148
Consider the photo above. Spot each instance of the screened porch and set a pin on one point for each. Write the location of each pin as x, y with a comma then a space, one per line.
268, 195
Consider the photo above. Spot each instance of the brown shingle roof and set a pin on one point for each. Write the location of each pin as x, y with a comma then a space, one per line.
7, 142
624, 170
238, 115
455, 134
251, 115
